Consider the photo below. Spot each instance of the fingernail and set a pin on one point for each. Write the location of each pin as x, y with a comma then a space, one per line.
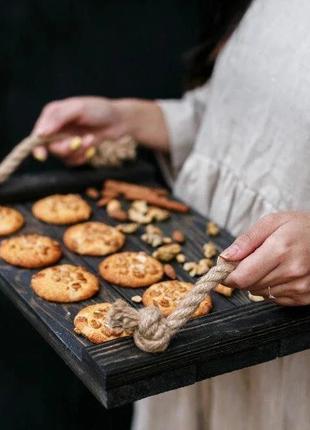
90, 152
40, 154
230, 252
75, 143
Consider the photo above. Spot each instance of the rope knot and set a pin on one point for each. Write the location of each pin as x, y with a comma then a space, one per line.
150, 328
152, 332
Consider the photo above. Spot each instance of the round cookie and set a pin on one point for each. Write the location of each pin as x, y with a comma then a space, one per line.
91, 323
62, 209
10, 220
93, 238
31, 251
166, 296
65, 284
131, 269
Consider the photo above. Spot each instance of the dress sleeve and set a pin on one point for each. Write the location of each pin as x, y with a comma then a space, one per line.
183, 118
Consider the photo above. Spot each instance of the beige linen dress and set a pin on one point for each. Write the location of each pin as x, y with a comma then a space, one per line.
240, 147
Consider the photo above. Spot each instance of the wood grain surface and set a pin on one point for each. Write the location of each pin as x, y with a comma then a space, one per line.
236, 334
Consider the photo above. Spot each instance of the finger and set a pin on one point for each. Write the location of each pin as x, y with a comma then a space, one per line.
64, 148
293, 301
82, 158
279, 291
297, 287
254, 237
253, 268
40, 153
289, 269
56, 115
274, 278
84, 153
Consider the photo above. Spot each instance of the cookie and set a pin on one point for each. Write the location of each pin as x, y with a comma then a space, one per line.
166, 296
65, 284
131, 269
10, 220
62, 209
31, 251
93, 238
91, 323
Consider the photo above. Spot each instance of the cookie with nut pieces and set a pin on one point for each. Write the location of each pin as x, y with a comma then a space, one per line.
62, 209
30, 251
11, 220
65, 284
91, 322
167, 294
131, 269
93, 238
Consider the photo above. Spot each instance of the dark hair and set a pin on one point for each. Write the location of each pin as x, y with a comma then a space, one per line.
222, 17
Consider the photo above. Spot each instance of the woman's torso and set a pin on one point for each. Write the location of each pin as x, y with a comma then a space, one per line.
252, 151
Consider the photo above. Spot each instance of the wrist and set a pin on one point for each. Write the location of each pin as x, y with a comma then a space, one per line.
143, 120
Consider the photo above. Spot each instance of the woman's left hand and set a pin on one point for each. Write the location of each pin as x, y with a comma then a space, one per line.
274, 258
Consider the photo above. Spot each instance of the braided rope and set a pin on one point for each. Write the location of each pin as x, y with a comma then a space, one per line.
152, 331
108, 153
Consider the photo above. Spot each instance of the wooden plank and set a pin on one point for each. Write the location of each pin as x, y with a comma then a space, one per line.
29, 186
217, 344
237, 334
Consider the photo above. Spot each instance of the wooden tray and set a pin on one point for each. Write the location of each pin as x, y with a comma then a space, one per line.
237, 334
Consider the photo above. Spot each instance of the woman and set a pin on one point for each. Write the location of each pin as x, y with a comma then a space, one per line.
239, 150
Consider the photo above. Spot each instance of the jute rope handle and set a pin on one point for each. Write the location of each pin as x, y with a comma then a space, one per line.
20, 152
108, 153
152, 332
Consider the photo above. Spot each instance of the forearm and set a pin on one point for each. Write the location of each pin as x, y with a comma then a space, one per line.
144, 121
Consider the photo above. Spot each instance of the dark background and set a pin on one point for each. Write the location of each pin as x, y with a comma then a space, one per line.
55, 49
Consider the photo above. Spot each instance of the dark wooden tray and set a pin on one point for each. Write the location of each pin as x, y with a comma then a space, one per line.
237, 334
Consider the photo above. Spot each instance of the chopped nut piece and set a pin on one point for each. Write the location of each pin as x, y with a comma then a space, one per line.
167, 252
169, 271
141, 213
209, 250
197, 268
211, 262
167, 239
136, 299
140, 206
115, 211
193, 272
92, 193
158, 214
128, 228
178, 236
254, 298
191, 268
181, 258
139, 217
152, 239
203, 266
212, 229
153, 235
189, 265
225, 291
153, 229
75, 143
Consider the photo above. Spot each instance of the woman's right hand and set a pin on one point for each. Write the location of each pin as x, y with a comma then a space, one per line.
86, 121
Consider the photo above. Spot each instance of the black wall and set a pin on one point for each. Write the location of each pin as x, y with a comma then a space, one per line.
55, 49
